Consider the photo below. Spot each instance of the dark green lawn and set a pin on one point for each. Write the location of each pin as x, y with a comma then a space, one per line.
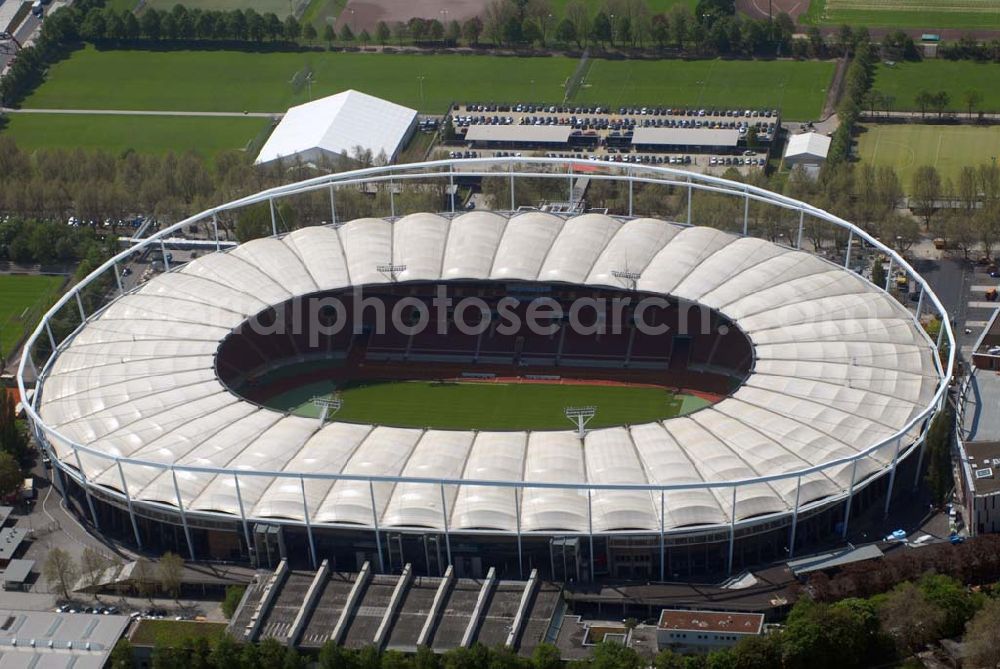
904, 81
23, 299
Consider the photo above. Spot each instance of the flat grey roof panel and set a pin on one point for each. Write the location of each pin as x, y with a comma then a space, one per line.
528, 134
17, 571
834, 559
686, 136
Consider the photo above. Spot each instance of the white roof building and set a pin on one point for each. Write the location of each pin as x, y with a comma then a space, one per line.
333, 126
809, 148
839, 367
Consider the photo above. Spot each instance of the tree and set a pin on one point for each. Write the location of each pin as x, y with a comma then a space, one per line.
600, 31
453, 32
972, 99
471, 30
436, 30
566, 33
225, 654
234, 594
346, 34
121, 655
910, 619
546, 656
171, 573
578, 14
150, 23
924, 100
60, 571
926, 191
292, 28
92, 566
328, 34
939, 475
365, 37
940, 101
530, 32
11, 476
13, 440
982, 637
878, 271
382, 32
309, 32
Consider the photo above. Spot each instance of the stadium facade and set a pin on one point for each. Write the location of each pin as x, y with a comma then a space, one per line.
829, 384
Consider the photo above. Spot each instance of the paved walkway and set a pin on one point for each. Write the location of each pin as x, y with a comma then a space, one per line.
137, 112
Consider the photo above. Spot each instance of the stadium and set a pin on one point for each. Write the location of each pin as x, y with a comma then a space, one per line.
752, 399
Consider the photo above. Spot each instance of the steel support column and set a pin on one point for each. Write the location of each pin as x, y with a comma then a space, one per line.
690, 191
888, 276
392, 201
309, 529
128, 502
663, 549
795, 518
920, 461
850, 498
802, 223
847, 255
746, 212
451, 186
444, 515
163, 252
517, 521
83, 314
274, 220
52, 338
333, 205
118, 278
732, 534
378, 534
590, 532
892, 475
243, 514
215, 229
180, 507
512, 207
920, 305
86, 488
630, 182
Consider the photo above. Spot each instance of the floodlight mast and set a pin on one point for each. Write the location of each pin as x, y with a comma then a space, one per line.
327, 406
580, 416
391, 269
625, 275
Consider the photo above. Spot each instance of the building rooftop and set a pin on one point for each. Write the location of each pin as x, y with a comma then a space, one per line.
337, 124
711, 621
10, 541
989, 340
17, 571
5, 512
833, 559
39, 639
527, 134
808, 144
984, 461
686, 136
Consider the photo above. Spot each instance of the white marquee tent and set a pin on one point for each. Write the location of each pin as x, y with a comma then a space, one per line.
809, 148
335, 125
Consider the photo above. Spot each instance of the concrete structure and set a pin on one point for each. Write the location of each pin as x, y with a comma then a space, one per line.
982, 460
398, 612
57, 640
704, 631
808, 148
686, 139
333, 126
10, 542
986, 351
17, 574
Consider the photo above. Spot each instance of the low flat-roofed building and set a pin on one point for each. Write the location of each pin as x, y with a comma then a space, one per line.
809, 148
5, 512
57, 640
986, 352
981, 470
722, 140
17, 575
10, 541
705, 630
518, 135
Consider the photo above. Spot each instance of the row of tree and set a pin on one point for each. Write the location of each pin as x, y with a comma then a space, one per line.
63, 573
15, 454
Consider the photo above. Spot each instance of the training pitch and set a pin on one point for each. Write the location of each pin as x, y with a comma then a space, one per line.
460, 405
23, 300
144, 134
929, 15
903, 81
797, 88
947, 147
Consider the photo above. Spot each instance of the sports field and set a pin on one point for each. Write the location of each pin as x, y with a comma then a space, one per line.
239, 81
23, 299
907, 147
928, 15
904, 81
798, 88
145, 134
488, 406
654, 6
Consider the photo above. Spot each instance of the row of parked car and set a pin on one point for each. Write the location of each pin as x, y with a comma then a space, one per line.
737, 161
533, 108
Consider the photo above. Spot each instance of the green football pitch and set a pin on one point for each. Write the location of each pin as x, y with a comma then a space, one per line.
929, 15
903, 81
797, 88
460, 405
23, 299
947, 147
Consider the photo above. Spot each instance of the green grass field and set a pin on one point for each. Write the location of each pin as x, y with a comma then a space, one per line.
238, 81
488, 406
928, 15
906, 147
174, 633
23, 299
655, 6
904, 81
798, 88
145, 134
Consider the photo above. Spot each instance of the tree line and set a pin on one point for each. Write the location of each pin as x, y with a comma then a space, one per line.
63, 573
